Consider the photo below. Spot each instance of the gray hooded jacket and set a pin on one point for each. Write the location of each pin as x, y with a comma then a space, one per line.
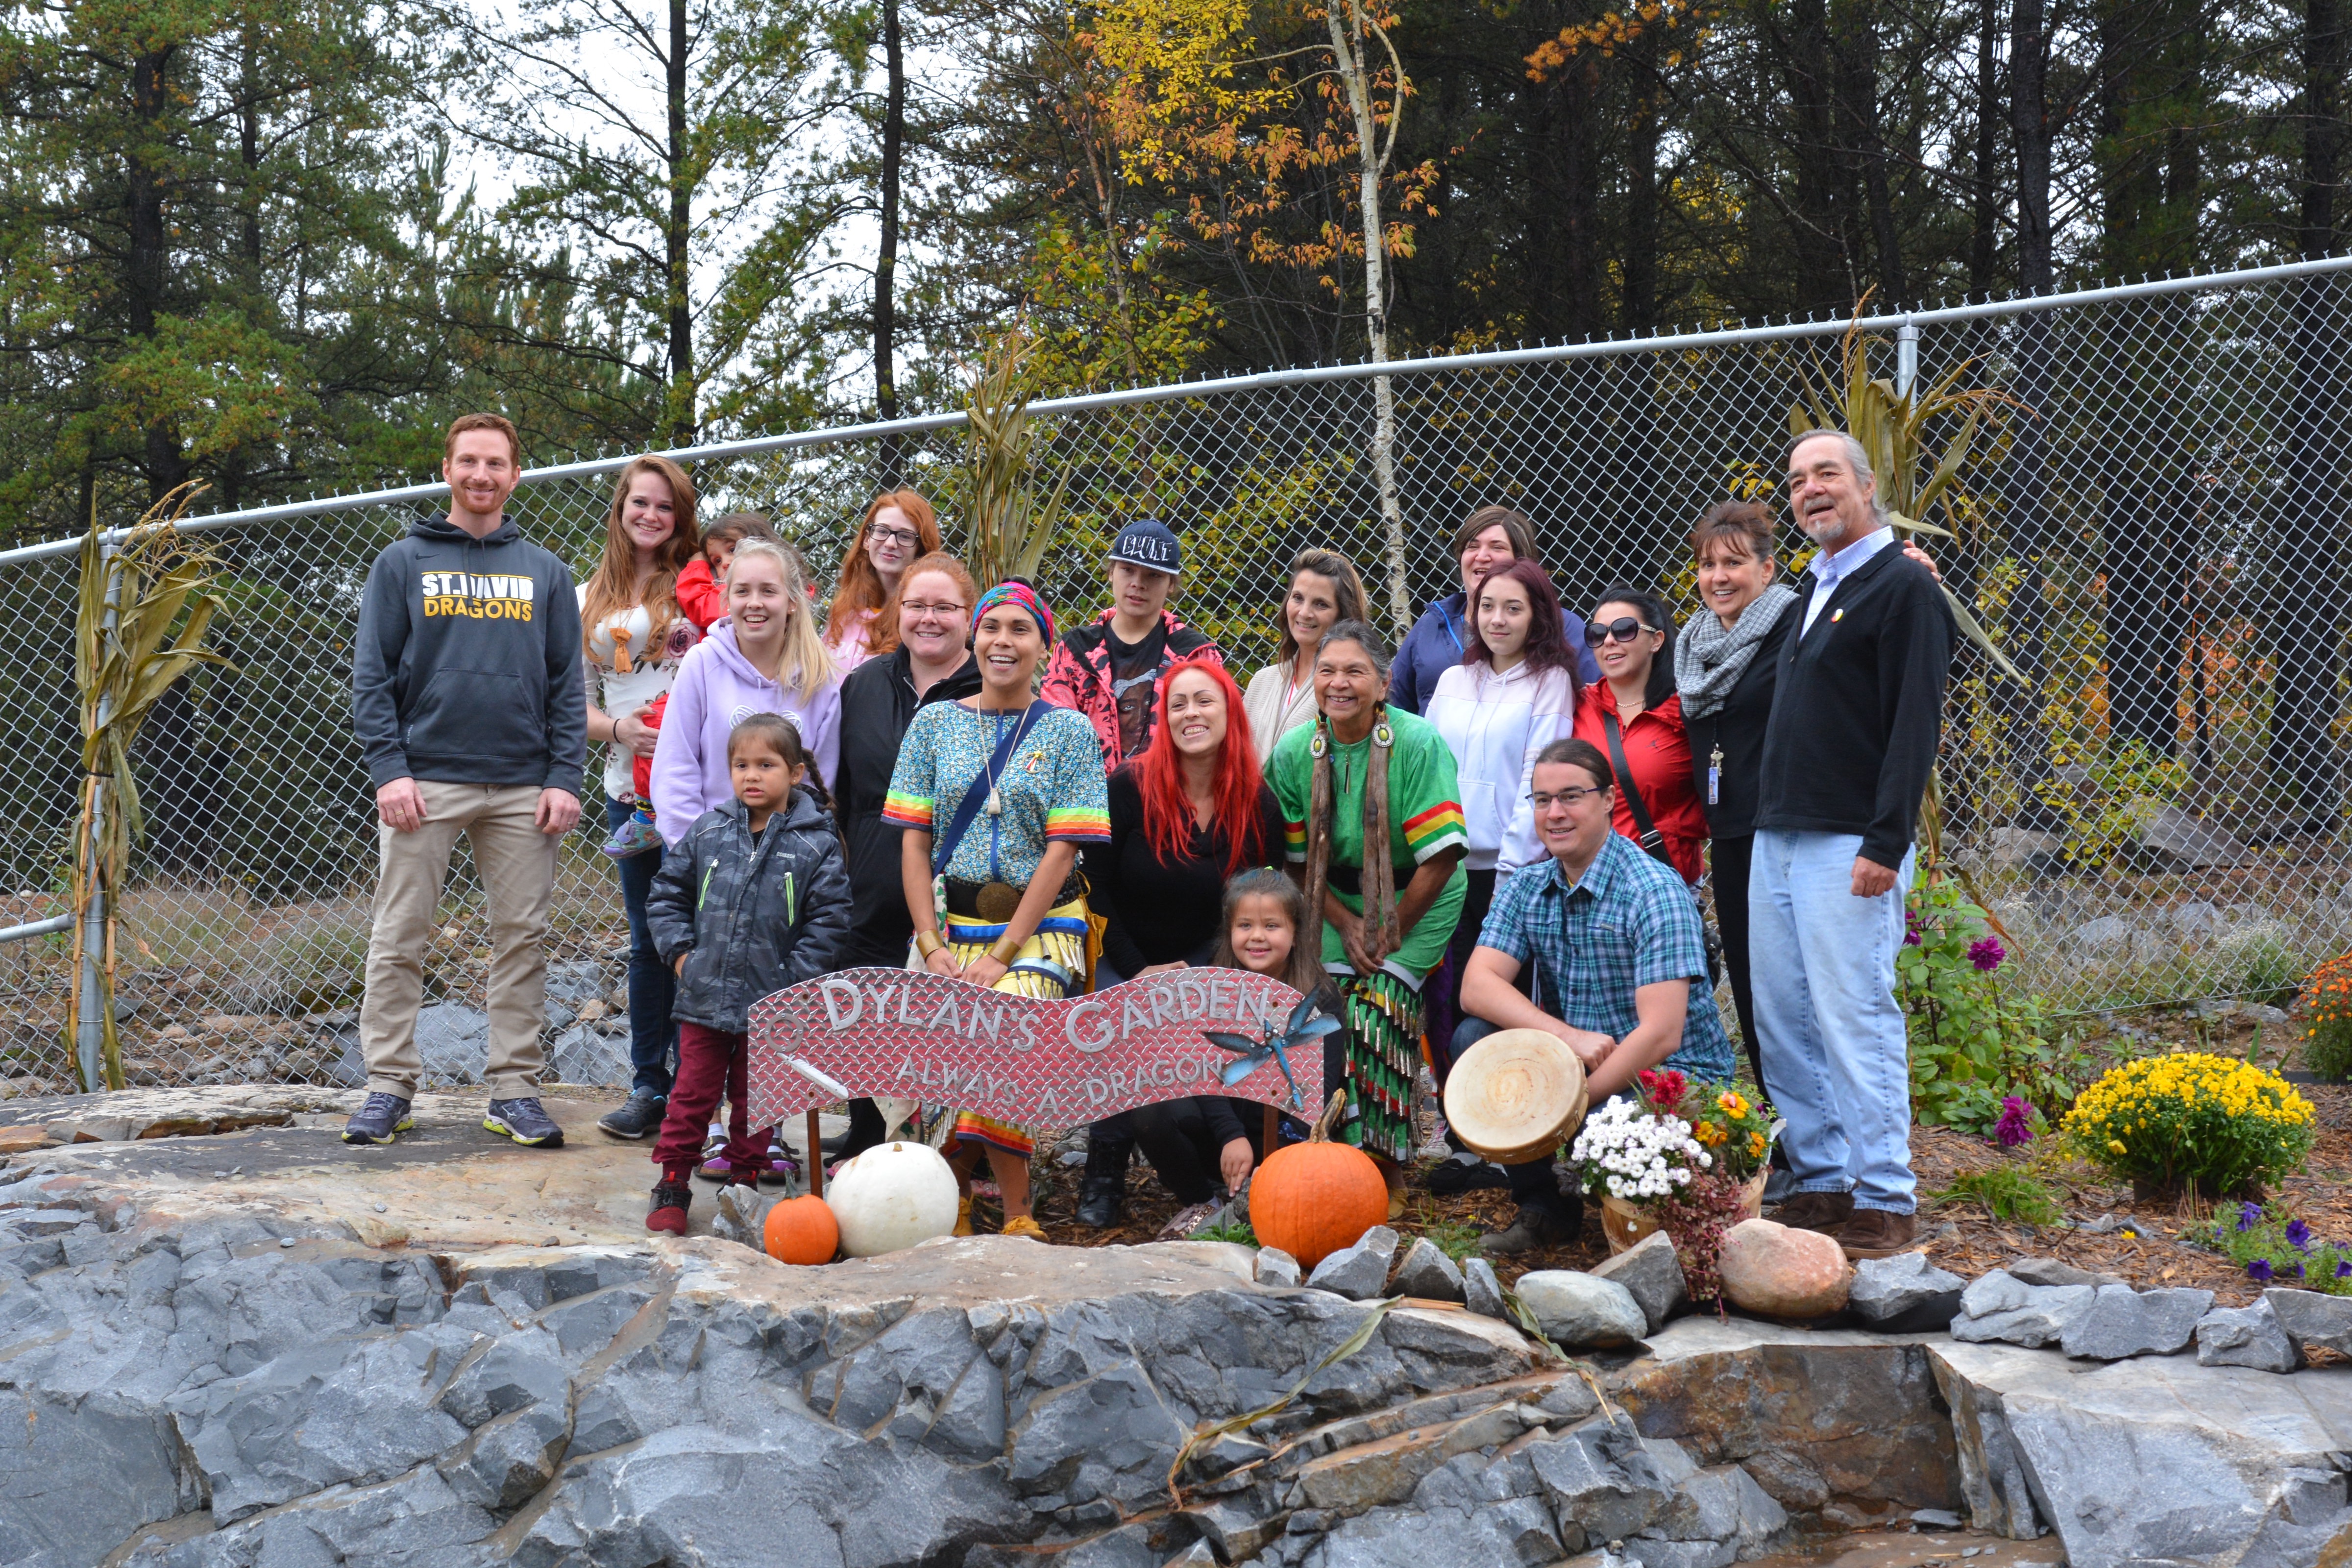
752, 917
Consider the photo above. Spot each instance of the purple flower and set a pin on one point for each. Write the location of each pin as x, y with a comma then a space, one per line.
2298, 1236
2259, 1270
2343, 1268
1986, 953
2016, 1124
2249, 1215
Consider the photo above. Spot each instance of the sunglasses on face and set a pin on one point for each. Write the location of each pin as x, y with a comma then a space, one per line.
1625, 628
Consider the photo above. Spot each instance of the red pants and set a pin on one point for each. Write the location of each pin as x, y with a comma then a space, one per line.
708, 1064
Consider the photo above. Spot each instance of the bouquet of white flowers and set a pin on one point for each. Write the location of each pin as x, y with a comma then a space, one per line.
1632, 1152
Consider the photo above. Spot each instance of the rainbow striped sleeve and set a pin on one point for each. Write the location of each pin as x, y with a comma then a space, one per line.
901, 809
1438, 828
1294, 839
1077, 825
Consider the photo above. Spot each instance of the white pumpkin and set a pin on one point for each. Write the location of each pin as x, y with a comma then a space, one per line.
892, 1196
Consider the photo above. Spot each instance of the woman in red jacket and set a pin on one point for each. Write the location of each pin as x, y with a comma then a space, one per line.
1634, 716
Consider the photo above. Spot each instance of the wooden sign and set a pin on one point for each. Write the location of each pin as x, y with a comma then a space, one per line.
917, 1036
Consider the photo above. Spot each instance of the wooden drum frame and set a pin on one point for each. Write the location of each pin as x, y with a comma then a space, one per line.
1516, 1096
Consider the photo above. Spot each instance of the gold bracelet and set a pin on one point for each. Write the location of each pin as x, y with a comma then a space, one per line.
997, 951
928, 943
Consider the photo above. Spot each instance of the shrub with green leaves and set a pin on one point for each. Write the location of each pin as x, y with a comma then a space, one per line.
1973, 1042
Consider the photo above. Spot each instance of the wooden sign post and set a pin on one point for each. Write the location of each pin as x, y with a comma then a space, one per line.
1040, 1064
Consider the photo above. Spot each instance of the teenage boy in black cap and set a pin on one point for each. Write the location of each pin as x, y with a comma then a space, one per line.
1110, 668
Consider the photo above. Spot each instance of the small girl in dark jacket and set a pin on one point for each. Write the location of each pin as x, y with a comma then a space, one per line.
753, 899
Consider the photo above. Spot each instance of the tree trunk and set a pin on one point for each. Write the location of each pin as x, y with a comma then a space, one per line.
683, 393
1857, 69
1985, 204
148, 264
1642, 189
2024, 480
885, 263
1348, 51
1825, 269
2304, 630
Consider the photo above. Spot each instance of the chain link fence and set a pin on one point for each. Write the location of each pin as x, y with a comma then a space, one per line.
2154, 536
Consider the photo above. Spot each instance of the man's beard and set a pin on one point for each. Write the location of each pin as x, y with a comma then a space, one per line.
1831, 532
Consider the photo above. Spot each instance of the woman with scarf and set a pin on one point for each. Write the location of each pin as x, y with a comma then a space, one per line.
994, 794
1372, 820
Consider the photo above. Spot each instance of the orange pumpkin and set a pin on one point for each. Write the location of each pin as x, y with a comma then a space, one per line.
1314, 1198
801, 1230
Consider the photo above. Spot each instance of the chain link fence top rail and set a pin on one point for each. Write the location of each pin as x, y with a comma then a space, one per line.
2153, 815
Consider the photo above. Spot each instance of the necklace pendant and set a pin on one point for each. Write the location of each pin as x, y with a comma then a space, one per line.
995, 806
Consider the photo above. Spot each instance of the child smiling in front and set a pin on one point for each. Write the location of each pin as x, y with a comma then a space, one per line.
753, 899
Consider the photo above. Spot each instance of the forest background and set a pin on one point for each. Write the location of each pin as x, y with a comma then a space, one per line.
272, 244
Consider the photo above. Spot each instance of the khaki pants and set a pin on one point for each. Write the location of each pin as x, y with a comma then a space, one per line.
517, 862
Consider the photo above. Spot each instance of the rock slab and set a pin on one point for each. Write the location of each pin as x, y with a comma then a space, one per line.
1905, 1294
1776, 1272
1482, 1293
2001, 1308
1651, 1270
1427, 1273
2123, 1322
1274, 1268
1581, 1311
2311, 1319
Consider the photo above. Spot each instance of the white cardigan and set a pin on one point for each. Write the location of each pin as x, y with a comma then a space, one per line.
1496, 724
1273, 710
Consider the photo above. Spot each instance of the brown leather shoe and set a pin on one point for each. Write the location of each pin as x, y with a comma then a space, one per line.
1877, 1233
1824, 1212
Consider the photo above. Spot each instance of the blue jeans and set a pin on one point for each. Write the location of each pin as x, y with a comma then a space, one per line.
653, 989
1834, 1047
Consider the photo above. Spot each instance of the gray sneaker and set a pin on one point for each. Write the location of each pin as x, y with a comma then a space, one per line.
379, 1119
636, 1116
526, 1122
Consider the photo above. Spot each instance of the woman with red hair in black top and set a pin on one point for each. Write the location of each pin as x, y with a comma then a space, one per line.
1185, 815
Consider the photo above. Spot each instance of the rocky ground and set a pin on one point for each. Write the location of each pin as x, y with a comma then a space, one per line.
226, 1337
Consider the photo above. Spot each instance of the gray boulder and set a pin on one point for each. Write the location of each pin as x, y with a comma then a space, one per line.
1359, 1272
2000, 1307
2246, 1336
1652, 1272
1905, 1294
1428, 1273
2123, 1322
1275, 1267
2050, 1271
742, 1216
1481, 1291
2312, 1319
1580, 1311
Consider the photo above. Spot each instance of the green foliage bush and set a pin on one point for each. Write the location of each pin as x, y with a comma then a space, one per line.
1973, 1044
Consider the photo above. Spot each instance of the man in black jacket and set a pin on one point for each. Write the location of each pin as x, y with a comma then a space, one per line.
1856, 718
466, 699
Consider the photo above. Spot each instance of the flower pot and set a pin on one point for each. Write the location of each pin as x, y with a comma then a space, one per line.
1625, 1224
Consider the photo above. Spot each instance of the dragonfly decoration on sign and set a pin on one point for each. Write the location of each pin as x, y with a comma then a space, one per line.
1300, 1032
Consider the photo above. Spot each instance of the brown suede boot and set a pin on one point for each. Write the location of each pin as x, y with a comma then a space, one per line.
1824, 1212
1877, 1233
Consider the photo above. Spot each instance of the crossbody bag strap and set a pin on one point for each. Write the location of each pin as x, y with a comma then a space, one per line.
1650, 840
943, 848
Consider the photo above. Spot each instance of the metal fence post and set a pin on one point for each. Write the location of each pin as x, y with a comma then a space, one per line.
90, 1019
1906, 356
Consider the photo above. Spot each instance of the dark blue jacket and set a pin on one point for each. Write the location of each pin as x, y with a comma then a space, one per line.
1436, 643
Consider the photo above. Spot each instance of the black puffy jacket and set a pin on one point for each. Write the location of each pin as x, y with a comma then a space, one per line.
751, 917
878, 703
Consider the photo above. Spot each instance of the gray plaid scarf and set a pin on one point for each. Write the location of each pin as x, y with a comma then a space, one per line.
1709, 657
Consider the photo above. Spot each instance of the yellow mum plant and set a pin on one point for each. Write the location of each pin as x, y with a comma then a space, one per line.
2220, 1125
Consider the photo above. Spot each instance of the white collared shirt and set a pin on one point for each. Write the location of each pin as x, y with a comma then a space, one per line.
1833, 569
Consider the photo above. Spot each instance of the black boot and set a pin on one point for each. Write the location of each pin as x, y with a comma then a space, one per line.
1102, 1190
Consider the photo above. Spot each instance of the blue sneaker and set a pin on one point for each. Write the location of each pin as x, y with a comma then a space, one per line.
635, 835
381, 1118
525, 1122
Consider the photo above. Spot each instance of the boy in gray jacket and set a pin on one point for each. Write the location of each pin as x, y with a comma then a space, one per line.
466, 699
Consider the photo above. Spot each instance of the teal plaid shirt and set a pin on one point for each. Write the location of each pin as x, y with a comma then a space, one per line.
1629, 922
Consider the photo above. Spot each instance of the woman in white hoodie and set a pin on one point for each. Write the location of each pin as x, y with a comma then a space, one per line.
1513, 694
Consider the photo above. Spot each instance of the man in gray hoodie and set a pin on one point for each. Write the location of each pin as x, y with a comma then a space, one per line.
466, 699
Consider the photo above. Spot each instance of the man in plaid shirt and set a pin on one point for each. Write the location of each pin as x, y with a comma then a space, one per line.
1619, 968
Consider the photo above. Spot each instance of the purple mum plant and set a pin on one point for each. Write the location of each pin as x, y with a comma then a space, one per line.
1986, 953
2016, 1124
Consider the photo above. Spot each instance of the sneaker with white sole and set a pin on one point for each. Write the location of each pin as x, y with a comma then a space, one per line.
379, 1119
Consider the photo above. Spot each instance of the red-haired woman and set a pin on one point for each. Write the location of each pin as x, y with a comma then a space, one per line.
899, 526
1186, 814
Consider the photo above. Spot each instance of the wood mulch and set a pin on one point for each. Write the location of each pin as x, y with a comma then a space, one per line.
1959, 1234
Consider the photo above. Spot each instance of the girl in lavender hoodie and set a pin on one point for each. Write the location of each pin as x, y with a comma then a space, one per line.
766, 656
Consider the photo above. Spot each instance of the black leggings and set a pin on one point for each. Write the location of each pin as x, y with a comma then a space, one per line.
1175, 1136
1730, 857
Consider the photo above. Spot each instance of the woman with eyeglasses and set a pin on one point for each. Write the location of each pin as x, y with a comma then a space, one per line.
899, 526
932, 663
1634, 717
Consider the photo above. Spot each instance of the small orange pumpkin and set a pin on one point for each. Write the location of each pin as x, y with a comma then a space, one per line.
801, 1230
1314, 1198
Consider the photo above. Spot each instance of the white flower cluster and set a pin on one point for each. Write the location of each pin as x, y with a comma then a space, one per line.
1639, 1155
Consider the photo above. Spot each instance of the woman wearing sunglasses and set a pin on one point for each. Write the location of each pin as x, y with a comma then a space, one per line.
1634, 716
